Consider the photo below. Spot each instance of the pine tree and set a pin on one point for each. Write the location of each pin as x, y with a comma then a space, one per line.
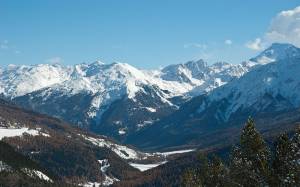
286, 163
202, 169
217, 173
197, 176
237, 168
210, 173
295, 157
250, 161
190, 178
281, 163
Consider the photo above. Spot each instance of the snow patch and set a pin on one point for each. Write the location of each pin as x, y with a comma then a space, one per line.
123, 151
104, 166
151, 109
109, 180
91, 184
144, 167
4, 166
121, 132
176, 152
36, 173
145, 123
12, 132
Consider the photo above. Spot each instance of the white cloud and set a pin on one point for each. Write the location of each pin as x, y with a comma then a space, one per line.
228, 42
255, 45
284, 28
195, 45
55, 60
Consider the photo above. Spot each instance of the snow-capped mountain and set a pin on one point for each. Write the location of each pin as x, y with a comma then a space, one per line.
200, 76
118, 99
92, 89
266, 91
20, 80
177, 79
114, 99
274, 85
276, 52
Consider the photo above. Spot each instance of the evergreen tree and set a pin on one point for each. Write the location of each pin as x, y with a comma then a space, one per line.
217, 173
197, 176
286, 163
208, 173
250, 161
237, 168
295, 158
202, 169
281, 162
191, 179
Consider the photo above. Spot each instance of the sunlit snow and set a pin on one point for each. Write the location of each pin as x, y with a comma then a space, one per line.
144, 167
11, 132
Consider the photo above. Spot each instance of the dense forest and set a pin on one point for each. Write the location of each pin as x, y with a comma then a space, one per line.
251, 163
14, 174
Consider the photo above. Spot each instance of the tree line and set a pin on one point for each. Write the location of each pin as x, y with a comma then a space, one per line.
251, 163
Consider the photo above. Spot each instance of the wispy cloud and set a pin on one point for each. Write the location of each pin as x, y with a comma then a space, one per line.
205, 56
284, 28
228, 42
54, 60
203, 51
255, 44
195, 45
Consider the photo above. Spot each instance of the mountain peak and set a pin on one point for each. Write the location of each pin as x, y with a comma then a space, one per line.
281, 46
221, 64
199, 64
276, 52
98, 63
124, 67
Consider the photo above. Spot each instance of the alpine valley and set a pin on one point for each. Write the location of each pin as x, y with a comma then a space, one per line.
69, 124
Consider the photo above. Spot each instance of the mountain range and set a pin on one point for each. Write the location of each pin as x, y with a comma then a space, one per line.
268, 92
182, 103
110, 124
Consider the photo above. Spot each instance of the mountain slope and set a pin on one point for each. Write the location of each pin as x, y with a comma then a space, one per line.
83, 100
18, 170
277, 52
19, 80
266, 92
86, 94
70, 154
201, 76
119, 100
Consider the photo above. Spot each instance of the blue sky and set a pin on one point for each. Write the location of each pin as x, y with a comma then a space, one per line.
143, 33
